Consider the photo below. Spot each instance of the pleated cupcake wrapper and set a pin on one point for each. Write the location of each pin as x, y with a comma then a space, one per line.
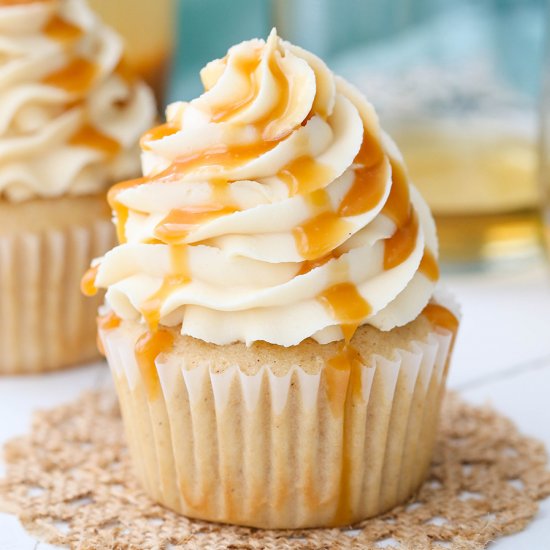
270, 451
46, 322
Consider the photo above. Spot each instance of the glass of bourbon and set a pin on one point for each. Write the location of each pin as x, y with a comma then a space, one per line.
544, 165
148, 28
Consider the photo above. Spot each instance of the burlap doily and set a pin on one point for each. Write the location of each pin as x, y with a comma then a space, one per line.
70, 483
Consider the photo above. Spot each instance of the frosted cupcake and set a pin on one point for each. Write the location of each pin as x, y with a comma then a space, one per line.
270, 321
70, 120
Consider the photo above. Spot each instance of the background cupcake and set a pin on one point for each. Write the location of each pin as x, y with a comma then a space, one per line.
70, 119
271, 322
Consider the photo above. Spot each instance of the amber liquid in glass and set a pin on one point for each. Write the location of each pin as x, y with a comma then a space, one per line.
148, 30
481, 185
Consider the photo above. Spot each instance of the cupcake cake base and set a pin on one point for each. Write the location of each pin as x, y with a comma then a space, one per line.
45, 246
276, 437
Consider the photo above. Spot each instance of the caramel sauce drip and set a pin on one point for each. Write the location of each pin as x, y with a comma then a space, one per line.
369, 183
148, 347
88, 136
125, 71
150, 309
398, 205
158, 132
121, 210
75, 78
401, 244
305, 175
109, 321
441, 317
343, 376
319, 235
61, 30
175, 227
270, 119
87, 283
345, 303
224, 156
428, 265
342, 393
310, 265
246, 66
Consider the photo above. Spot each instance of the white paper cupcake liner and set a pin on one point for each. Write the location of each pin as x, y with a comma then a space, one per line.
46, 322
270, 451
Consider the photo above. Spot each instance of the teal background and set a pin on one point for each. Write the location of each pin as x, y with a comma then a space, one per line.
513, 30
206, 29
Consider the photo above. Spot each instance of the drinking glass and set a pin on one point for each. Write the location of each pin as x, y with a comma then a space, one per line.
544, 166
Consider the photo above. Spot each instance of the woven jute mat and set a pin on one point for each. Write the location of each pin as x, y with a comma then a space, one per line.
70, 483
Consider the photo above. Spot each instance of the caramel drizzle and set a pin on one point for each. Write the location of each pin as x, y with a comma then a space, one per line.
175, 227
310, 265
120, 210
91, 137
346, 305
109, 321
87, 283
150, 309
75, 78
398, 206
148, 347
442, 317
401, 244
156, 133
428, 265
344, 301
156, 341
399, 209
246, 67
319, 235
125, 71
267, 125
305, 175
62, 31
369, 183
227, 156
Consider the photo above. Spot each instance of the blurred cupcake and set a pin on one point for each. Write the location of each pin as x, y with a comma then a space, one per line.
270, 321
70, 120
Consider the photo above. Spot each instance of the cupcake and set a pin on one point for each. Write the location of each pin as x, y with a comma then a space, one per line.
70, 120
272, 322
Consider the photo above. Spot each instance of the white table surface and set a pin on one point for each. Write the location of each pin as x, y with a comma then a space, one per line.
502, 356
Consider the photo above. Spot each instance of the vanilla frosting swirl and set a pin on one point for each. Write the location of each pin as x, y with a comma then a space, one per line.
272, 208
70, 113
